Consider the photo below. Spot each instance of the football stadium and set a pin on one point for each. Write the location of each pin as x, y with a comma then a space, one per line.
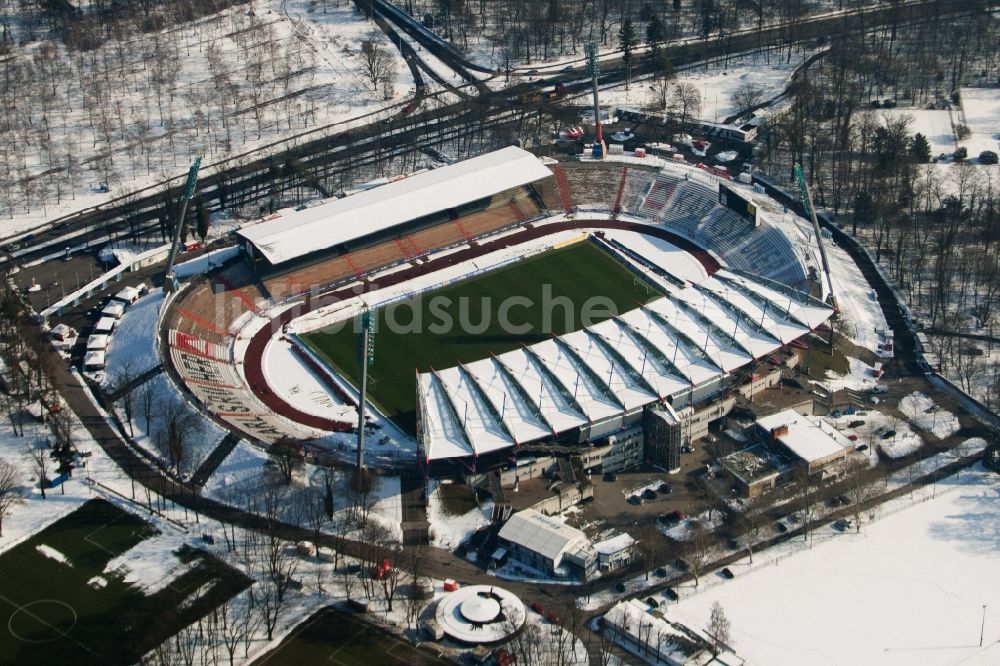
499, 305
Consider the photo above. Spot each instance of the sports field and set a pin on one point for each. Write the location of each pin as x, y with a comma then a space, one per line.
57, 606
339, 639
546, 295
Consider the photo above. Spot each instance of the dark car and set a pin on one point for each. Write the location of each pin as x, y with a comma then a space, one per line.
863, 447
648, 494
856, 424
634, 499
727, 573
781, 527
665, 489
988, 157
652, 603
567, 68
619, 587
610, 476
661, 572
889, 434
669, 593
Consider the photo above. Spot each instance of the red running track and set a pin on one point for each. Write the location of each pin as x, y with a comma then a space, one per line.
253, 360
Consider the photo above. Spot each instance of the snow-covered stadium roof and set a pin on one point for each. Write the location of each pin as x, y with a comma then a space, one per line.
298, 233
689, 338
543, 535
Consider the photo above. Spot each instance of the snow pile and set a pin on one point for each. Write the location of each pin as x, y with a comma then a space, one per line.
926, 415
910, 589
448, 530
682, 530
53, 554
860, 377
981, 113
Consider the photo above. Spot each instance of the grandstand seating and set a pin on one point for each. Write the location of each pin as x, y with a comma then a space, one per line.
766, 253
637, 184
723, 230
593, 185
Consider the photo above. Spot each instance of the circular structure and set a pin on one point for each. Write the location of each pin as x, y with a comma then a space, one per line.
480, 614
42, 621
480, 610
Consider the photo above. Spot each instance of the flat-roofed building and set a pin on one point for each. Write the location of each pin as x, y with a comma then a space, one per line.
811, 441
753, 470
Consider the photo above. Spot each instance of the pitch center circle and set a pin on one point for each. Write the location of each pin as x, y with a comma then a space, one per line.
42, 621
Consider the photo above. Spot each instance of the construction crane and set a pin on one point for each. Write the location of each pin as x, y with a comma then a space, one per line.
169, 281
594, 69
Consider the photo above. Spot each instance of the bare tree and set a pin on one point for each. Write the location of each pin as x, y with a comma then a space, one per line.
146, 399
862, 486
718, 626
179, 425
746, 97
751, 523
121, 385
687, 102
38, 454
286, 455
698, 550
650, 545
376, 60
10, 490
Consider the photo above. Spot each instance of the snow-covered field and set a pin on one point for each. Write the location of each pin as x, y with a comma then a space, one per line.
910, 590
926, 415
981, 111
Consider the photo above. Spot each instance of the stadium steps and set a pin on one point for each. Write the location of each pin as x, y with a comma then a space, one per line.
659, 193
462, 230
516, 210
617, 208
413, 497
214, 459
563, 187
135, 382
566, 473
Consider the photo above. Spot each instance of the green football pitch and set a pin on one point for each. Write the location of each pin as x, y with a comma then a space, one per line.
550, 294
59, 606
338, 639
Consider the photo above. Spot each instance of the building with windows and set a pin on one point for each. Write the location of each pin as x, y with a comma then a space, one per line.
615, 552
810, 441
546, 545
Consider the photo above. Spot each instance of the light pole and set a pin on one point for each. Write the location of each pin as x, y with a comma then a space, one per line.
982, 626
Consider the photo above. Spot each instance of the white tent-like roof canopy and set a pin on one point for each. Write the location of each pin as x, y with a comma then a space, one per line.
669, 346
294, 234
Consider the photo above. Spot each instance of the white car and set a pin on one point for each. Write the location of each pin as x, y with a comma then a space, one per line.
623, 136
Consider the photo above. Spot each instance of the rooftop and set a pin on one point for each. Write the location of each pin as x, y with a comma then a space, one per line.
808, 438
292, 234
750, 465
542, 534
615, 544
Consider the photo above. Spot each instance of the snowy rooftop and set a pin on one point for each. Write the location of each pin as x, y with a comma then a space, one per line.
809, 439
294, 234
614, 545
542, 534
687, 339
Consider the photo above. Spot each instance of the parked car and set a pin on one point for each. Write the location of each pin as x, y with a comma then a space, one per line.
843, 524
888, 434
652, 603
623, 135
552, 617
988, 157
781, 527
727, 573
678, 515
857, 423
661, 572
634, 499
863, 447
648, 494
537, 607
852, 437
669, 593
610, 476
620, 587
665, 489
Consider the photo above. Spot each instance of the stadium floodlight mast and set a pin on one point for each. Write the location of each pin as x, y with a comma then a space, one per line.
169, 281
366, 351
594, 69
810, 210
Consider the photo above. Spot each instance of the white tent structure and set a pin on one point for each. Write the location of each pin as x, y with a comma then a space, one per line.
292, 234
682, 346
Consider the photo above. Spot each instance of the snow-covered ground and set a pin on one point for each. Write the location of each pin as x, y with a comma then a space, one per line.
981, 112
716, 84
926, 415
133, 344
448, 530
934, 124
309, 69
910, 589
